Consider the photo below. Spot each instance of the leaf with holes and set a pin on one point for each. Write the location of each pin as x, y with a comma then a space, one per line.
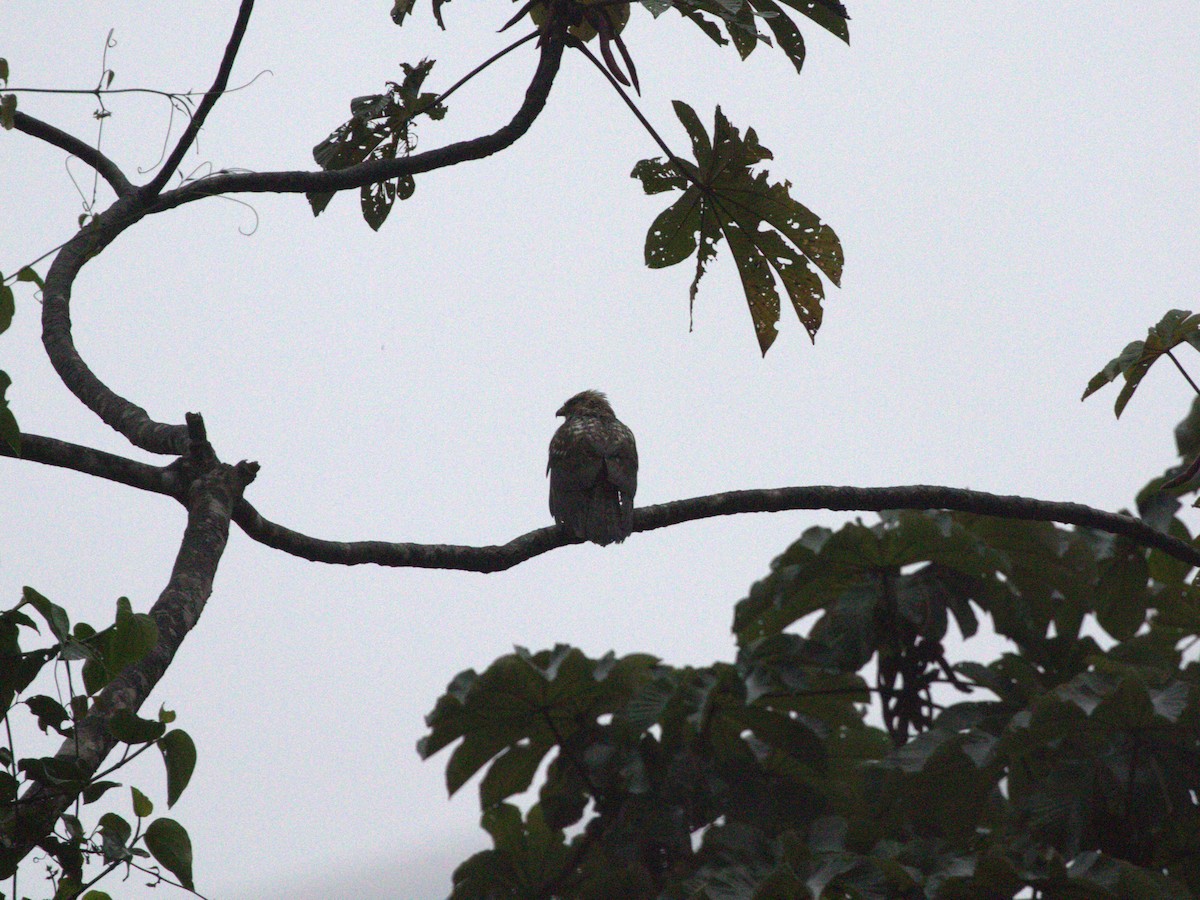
774, 239
381, 127
740, 20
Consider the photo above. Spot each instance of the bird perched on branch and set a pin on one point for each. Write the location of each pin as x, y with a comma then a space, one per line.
593, 471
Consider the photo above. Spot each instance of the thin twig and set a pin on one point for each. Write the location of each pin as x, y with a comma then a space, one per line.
1183, 372
676, 161
211, 97
475, 71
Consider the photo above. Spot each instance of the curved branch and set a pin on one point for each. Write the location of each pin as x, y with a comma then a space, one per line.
401, 555
108, 169
500, 557
210, 502
206, 105
383, 169
126, 417
114, 410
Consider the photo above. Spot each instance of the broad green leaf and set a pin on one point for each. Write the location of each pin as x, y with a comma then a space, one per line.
56, 617
740, 18
128, 727
28, 274
97, 789
50, 713
774, 239
511, 773
179, 756
168, 842
540, 697
1177, 327
126, 642
8, 111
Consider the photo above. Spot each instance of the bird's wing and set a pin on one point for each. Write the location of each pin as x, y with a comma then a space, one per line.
621, 460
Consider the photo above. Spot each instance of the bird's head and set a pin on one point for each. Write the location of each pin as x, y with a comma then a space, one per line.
586, 403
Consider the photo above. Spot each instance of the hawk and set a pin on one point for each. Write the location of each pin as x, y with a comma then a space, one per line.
593, 471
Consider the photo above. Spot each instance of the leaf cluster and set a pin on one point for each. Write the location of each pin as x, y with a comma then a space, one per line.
104, 654
841, 754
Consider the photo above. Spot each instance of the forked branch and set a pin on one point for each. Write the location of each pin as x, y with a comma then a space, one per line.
206, 105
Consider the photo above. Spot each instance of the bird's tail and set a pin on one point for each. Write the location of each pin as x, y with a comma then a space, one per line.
607, 520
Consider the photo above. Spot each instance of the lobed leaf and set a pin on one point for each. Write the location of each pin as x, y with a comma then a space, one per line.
1177, 327
774, 239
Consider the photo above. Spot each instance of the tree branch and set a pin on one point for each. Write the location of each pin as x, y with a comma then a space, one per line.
648, 518
126, 417
383, 169
210, 501
114, 410
206, 105
108, 169
53, 452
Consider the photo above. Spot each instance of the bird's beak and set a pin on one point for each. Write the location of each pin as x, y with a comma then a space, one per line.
562, 410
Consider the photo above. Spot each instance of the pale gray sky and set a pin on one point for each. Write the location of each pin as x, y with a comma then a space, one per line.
1016, 189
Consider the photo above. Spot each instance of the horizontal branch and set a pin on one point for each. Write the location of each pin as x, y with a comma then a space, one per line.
108, 169
375, 171
53, 452
648, 518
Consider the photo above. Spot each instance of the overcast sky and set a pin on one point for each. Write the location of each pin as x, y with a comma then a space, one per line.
1016, 188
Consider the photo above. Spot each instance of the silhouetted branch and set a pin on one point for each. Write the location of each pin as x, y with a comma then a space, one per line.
114, 410
383, 169
126, 417
53, 452
500, 557
108, 169
210, 100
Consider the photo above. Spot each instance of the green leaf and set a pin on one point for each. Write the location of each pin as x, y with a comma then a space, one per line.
511, 773
168, 842
49, 712
1178, 326
179, 756
540, 697
10, 431
126, 642
56, 617
739, 17
774, 239
28, 274
381, 127
8, 305
97, 789
142, 807
130, 728
96, 895
115, 833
